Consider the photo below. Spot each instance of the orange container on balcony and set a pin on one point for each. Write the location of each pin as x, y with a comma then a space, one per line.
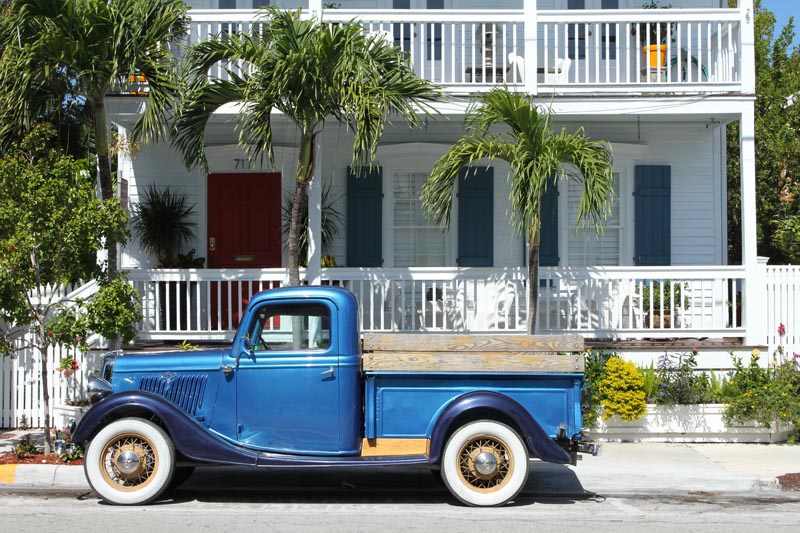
656, 55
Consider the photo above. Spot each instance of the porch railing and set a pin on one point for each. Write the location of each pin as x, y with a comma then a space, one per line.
568, 51
606, 302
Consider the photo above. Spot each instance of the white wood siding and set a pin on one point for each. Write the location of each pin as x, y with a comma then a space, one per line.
689, 148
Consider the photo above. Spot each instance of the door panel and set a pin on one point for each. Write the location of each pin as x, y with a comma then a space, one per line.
288, 384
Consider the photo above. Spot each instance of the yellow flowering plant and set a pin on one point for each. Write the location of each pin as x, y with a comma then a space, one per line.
622, 390
765, 393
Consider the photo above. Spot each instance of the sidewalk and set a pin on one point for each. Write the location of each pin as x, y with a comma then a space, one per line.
749, 470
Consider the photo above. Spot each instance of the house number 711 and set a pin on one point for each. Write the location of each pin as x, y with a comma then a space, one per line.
241, 163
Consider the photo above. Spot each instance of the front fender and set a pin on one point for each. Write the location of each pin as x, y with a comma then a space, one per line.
536, 438
190, 438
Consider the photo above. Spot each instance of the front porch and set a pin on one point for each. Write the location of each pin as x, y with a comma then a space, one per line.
596, 302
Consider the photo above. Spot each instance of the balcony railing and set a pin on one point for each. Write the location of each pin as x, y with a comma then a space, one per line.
568, 51
604, 302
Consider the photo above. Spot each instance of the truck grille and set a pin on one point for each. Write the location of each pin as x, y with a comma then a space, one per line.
185, 391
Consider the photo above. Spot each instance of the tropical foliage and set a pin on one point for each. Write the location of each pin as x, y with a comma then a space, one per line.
163, 222
56, 53
310, 72
501, 124
777, 122
51, 226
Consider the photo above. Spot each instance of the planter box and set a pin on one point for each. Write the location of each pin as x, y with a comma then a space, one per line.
686, 423
62, 416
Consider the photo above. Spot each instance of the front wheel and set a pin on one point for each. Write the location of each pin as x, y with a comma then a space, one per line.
130, 462
485, 463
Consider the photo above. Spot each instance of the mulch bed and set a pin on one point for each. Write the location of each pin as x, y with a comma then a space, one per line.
790, 481
35, 459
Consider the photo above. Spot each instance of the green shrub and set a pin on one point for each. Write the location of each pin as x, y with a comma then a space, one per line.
594, 371
763, 395
650, 380
622, 390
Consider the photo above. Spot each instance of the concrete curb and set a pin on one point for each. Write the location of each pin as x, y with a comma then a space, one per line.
44, 476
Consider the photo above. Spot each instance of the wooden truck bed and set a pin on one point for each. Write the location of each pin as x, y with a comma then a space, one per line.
448, 352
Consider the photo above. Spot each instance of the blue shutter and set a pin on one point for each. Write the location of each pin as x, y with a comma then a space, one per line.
365, 218
475, 217
653, 237
548, 236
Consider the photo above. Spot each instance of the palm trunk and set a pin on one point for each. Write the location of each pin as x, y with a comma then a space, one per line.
305, 172
533, 281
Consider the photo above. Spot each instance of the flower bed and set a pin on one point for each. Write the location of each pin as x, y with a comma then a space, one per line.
671, 401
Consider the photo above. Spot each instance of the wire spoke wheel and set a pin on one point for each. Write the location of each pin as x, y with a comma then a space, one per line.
130, 461
485, 463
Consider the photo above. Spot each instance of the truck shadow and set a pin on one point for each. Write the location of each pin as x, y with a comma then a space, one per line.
547, 484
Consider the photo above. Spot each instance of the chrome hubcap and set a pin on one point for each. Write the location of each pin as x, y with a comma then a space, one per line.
127, 462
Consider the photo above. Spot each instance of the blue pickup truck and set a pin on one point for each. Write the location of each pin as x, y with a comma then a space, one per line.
300, 387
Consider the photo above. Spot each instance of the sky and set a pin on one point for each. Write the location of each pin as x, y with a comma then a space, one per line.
783, 9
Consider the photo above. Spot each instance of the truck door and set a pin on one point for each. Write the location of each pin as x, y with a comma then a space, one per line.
287, 381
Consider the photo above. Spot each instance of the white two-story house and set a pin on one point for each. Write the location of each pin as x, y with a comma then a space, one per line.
659, 270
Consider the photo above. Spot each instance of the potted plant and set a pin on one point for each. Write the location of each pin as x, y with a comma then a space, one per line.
653, 36
162, 221
659, 301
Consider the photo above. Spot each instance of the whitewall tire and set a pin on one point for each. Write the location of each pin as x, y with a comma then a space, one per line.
130, 462
485, 463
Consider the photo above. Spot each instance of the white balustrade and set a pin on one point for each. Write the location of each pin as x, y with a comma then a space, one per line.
606, 302
467, 50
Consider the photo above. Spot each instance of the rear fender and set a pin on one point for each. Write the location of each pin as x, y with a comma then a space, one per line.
482, 404
190, 438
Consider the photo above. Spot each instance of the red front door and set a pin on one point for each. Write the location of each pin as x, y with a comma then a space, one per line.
244, 220
244, 231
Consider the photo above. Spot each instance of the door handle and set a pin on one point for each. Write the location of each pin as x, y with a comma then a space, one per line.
212, 244
328, 373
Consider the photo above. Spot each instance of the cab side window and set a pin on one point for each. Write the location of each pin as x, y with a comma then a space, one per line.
291, 327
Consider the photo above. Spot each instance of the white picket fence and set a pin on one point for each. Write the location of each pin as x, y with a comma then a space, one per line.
20, 376
21, 393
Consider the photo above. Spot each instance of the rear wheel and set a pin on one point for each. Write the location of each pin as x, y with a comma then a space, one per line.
130, 462
485, 463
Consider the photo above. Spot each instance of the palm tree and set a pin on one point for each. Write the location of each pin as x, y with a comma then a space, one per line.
537, 156
78, 50
309, 71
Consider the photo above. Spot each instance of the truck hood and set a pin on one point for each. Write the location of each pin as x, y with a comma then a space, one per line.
174, 361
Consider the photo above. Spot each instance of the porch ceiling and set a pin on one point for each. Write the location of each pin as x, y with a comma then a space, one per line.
714, 110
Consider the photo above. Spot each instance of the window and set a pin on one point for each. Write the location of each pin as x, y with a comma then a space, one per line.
291, 327
585, 247
417, 241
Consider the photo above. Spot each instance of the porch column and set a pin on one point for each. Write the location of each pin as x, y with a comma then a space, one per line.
754, 284
315, 7
314, 192
748, 55
531, 46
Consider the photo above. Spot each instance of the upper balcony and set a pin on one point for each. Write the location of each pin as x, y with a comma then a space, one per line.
564, 52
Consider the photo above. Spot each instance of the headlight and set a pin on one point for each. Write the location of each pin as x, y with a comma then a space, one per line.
107, 370
98, 389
